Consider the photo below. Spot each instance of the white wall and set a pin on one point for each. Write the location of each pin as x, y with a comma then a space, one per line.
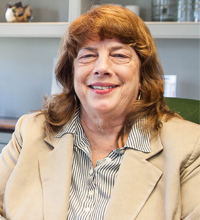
26, 67
181, 57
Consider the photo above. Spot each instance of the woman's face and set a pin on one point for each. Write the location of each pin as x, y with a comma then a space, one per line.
106, 76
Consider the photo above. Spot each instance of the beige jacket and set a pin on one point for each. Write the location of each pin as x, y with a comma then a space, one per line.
35, 176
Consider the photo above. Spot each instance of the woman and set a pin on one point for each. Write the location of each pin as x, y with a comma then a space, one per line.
107, 147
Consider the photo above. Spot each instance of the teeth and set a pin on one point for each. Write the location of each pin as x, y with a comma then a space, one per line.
102, 87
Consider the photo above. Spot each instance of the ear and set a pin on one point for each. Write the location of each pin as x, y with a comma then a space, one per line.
139, 87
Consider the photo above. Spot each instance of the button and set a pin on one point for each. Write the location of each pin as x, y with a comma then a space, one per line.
121, 151
108, 159
91, 172
91, 193
87, 209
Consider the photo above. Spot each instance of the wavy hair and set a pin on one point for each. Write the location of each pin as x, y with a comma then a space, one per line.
109, 21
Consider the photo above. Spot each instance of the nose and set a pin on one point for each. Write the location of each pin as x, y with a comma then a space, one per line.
102, 65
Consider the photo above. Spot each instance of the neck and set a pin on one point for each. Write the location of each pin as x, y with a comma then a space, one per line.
101, 124
101, 128
102, 132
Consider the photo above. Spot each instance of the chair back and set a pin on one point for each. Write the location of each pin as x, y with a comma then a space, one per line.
189, 109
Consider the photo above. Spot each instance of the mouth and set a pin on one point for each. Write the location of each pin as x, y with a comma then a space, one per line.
102, 87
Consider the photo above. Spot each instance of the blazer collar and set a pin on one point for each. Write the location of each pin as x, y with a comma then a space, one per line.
55, 172
135, 182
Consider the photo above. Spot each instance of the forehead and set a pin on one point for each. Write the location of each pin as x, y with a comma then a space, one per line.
96, 42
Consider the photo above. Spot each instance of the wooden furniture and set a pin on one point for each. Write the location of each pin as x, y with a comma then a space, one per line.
7, 125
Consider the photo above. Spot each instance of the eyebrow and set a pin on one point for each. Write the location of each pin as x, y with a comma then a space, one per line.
93, 49
118, 48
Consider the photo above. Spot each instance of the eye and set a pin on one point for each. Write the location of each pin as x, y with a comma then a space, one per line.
87, 58
120, 58
119, 55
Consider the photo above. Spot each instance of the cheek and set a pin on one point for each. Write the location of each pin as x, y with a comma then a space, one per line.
77, 87
80, 81
78, 76
129, 75
77, 81
82, 73
132, 81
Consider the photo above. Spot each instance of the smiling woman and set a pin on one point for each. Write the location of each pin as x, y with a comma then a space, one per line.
133, 35
107, 147
106, 79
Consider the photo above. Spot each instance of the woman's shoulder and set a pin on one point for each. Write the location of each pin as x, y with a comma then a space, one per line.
31, 119
180, 126
32, 124
181, 138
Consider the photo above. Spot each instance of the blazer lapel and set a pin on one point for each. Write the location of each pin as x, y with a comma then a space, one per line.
135, 181
55, 171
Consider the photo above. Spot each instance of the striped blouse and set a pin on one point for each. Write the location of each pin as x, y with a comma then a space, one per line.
91, 187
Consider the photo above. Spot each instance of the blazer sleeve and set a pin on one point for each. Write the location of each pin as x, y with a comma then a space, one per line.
8, 160
190, 185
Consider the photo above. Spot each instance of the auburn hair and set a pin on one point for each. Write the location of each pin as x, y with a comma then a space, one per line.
109, 21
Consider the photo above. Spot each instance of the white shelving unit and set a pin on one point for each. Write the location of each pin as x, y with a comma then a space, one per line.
189, 30
32, 29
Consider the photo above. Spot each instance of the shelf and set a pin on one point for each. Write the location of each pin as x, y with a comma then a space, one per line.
188, 30
33, 29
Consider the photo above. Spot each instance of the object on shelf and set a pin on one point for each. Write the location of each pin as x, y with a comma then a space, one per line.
18, 13
197, 10
185, 10
134, 8
164, 10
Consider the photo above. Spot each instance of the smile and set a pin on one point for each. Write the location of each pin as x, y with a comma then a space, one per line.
102, 87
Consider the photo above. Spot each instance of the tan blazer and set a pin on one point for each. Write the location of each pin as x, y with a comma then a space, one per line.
35, 176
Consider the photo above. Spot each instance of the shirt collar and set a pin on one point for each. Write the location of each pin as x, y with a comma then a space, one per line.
138, 139
71, 126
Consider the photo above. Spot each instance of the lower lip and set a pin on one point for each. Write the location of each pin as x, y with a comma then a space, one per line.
102, 92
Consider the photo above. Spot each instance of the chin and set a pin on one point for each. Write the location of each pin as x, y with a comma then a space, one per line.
104, 108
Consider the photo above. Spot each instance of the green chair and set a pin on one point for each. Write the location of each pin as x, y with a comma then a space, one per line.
189, 109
